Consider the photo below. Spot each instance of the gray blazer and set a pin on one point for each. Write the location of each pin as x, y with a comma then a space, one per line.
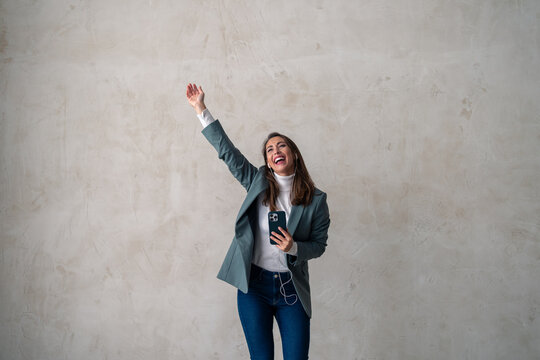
308, 225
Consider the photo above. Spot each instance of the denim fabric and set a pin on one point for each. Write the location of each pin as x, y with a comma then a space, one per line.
264, 301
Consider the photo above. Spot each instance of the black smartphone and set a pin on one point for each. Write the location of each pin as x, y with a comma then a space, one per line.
276, 219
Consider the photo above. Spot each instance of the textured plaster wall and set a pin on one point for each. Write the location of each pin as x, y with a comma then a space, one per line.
420, 119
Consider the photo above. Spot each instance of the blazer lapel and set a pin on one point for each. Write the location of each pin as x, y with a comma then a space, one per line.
294, 218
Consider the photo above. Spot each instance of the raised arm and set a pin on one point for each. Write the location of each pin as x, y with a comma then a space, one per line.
237, 163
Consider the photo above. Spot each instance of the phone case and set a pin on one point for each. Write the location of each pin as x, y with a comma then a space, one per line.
276, 219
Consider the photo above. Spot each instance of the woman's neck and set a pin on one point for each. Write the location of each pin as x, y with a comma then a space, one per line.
284, 182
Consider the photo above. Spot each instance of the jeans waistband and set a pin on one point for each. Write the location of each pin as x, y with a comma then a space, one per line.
259, 271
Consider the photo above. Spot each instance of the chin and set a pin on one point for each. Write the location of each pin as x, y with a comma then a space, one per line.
284, 171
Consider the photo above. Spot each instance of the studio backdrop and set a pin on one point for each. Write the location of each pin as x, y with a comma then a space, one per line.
420, 120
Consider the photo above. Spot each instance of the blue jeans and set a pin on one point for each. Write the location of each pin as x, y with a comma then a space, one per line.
263, 302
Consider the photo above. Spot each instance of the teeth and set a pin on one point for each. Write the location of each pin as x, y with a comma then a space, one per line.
276, 160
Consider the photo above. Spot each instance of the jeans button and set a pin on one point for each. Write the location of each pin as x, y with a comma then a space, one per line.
275, 276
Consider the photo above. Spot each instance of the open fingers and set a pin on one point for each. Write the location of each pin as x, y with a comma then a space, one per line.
192, 89
189, 91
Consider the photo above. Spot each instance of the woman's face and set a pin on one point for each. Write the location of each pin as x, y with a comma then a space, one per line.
280, 156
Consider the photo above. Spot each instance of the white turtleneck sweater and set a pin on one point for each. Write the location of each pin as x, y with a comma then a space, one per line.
266, 255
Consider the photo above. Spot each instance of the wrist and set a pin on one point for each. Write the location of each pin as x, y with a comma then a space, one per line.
199, 108
293, 250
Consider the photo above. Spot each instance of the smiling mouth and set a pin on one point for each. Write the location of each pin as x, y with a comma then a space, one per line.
279, 160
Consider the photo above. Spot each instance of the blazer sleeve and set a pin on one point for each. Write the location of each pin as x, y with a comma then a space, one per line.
237, 163
319, 234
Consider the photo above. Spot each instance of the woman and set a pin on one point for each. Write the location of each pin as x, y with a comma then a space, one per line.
272, 280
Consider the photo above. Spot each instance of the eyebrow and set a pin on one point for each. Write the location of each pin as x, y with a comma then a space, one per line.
279, 142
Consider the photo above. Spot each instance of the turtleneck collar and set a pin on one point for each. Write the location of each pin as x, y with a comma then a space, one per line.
284, 182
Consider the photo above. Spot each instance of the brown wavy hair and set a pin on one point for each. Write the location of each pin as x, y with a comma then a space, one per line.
303, 187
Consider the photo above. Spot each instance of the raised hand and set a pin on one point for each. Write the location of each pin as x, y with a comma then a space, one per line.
195, 97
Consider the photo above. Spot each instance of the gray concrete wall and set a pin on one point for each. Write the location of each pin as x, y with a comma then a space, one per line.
420, 119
